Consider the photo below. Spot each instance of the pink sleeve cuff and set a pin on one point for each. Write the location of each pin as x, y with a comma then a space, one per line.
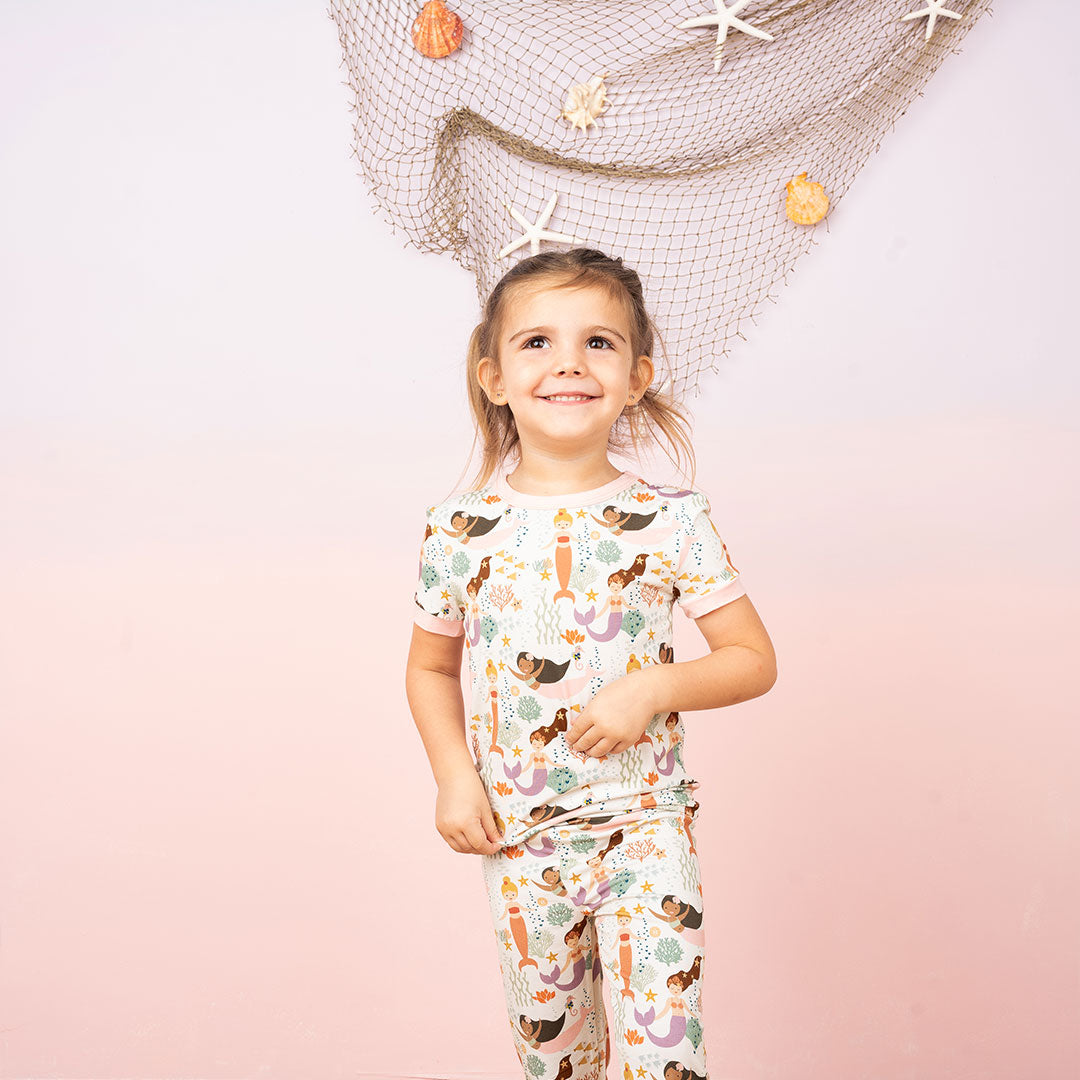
427, 621
696, 606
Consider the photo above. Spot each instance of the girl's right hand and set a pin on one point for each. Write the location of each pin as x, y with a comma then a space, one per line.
463, 815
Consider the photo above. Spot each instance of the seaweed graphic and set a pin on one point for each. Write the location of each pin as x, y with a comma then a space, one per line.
687, 870
488, 628
628, 765
501, 595
546, 621
641, 978
559, 914
529, 709
582, 843
640, 849
668, 951
429, 575
582, 576
607, 551
459, 564
509, 731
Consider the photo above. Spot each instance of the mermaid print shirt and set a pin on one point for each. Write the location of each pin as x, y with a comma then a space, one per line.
556, 596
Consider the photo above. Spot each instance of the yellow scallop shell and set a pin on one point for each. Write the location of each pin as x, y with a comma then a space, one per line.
807, 202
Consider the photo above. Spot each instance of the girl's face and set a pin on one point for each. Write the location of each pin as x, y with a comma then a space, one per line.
564, 341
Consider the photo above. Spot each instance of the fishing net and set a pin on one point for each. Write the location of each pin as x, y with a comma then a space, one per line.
683, 174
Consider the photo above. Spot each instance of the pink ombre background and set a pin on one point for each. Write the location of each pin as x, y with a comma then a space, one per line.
222, 417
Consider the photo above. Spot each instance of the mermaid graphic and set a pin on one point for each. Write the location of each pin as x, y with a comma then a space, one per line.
616, 583
518, 931
626, 951
553, 1034
465, 526
600, 882
552, 882
667, 759
491, 673
618, 521
547, 677
575, 956
540, 762
676, 1070
564, 553
677, 983
688, 819
684, 918
473, 614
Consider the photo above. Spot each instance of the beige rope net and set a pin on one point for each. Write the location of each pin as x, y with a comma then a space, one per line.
682, 174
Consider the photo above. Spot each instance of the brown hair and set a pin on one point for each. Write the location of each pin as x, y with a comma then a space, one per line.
653, 414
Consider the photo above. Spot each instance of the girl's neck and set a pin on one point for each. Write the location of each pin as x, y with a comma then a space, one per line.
561, 478
563, 495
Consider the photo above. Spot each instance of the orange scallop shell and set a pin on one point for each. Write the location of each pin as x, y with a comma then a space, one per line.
436, 31
807, 202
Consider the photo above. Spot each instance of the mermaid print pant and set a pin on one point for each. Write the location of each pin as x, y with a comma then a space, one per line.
619, 894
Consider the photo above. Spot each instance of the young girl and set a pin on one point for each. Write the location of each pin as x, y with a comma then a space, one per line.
559, 578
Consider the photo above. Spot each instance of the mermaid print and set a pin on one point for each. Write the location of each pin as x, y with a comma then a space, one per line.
666, 761
518, 930
538, 760
575, 958
555, 1008
614, 602
536, 670
498, 572
618, 521
683, 918
677, 984
463, 526
473, 614
564, 555
548, 677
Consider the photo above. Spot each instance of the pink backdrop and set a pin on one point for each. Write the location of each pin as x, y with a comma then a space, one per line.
220, 427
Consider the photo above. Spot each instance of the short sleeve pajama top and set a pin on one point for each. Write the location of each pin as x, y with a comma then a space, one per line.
556, 596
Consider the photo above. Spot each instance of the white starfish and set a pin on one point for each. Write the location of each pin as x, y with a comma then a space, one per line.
535, 232
933, 9
725, 17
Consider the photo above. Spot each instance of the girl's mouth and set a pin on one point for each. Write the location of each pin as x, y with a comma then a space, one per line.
569, 399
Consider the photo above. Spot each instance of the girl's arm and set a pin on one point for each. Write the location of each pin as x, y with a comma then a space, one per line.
433, 689
741, 664
463, 814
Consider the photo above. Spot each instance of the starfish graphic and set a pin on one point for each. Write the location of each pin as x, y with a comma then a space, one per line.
933, 10
724, 18
535, 232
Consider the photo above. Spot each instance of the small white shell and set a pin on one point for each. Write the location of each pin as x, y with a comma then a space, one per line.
585, 101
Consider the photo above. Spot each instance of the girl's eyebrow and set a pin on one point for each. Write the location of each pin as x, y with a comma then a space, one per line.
547, 330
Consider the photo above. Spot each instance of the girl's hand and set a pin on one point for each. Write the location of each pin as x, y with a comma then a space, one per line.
614, 720
463, 815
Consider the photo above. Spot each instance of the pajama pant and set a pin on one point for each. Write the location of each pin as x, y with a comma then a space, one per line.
608, 893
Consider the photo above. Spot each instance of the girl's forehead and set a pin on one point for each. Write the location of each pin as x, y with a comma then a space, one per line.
536, 303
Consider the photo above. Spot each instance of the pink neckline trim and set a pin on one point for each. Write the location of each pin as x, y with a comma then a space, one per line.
571, 498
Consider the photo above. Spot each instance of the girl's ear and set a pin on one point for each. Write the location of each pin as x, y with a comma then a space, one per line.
488, 376
642, 376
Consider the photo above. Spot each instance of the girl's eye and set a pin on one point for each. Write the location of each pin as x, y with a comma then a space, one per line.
595, 337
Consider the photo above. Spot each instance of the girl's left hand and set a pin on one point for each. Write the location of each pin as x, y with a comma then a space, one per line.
614, 719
